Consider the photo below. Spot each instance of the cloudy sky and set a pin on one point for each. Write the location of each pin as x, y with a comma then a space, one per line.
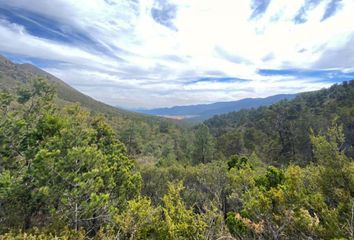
153, 53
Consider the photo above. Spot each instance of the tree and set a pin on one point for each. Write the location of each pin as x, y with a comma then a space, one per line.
19, 142
179, 221
203, 145
60, 168
139, 221
231, 143
335, 181
84, 173
238, 162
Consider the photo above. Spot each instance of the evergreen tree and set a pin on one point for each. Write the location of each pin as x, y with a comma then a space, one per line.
203, 145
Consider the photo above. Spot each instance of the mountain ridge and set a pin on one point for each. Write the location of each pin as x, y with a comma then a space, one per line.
13, 75
199, 112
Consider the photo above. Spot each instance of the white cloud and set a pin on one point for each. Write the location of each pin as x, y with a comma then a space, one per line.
131, 54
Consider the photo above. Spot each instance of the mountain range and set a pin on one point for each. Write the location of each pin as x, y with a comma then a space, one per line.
202, 112
13, 75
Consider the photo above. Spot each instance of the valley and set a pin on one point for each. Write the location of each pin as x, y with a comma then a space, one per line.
218, 173
176, 120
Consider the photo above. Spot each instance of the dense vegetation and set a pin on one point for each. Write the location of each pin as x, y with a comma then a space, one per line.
281, 133
147, 138
281, 172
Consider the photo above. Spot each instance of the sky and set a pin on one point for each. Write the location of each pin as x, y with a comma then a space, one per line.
158, 53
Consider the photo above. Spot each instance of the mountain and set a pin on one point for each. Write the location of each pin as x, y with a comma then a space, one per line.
147, 138
14, 75
204, 111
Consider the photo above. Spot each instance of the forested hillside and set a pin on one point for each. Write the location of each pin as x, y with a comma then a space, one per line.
280, 134
65, 174
14, 75
149, 139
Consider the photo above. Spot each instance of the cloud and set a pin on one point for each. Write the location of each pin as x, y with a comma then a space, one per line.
331, 9
152, 53
259, 7
163, 12
338, 57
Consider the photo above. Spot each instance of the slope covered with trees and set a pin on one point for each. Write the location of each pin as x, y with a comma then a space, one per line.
281, 133
147, 138
15, 75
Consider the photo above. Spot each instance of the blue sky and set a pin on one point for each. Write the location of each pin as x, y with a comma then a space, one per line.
154, 53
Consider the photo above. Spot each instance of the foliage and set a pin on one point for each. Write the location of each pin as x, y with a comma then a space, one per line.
204, 145
140, 220
180, 222
280, 133
65, 174
60, 168
237, 162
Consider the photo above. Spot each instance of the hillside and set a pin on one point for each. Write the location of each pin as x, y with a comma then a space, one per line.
14, 75
148, 139
202, 112
280, 133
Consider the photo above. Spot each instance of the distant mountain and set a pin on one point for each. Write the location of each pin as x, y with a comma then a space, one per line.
202, 112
